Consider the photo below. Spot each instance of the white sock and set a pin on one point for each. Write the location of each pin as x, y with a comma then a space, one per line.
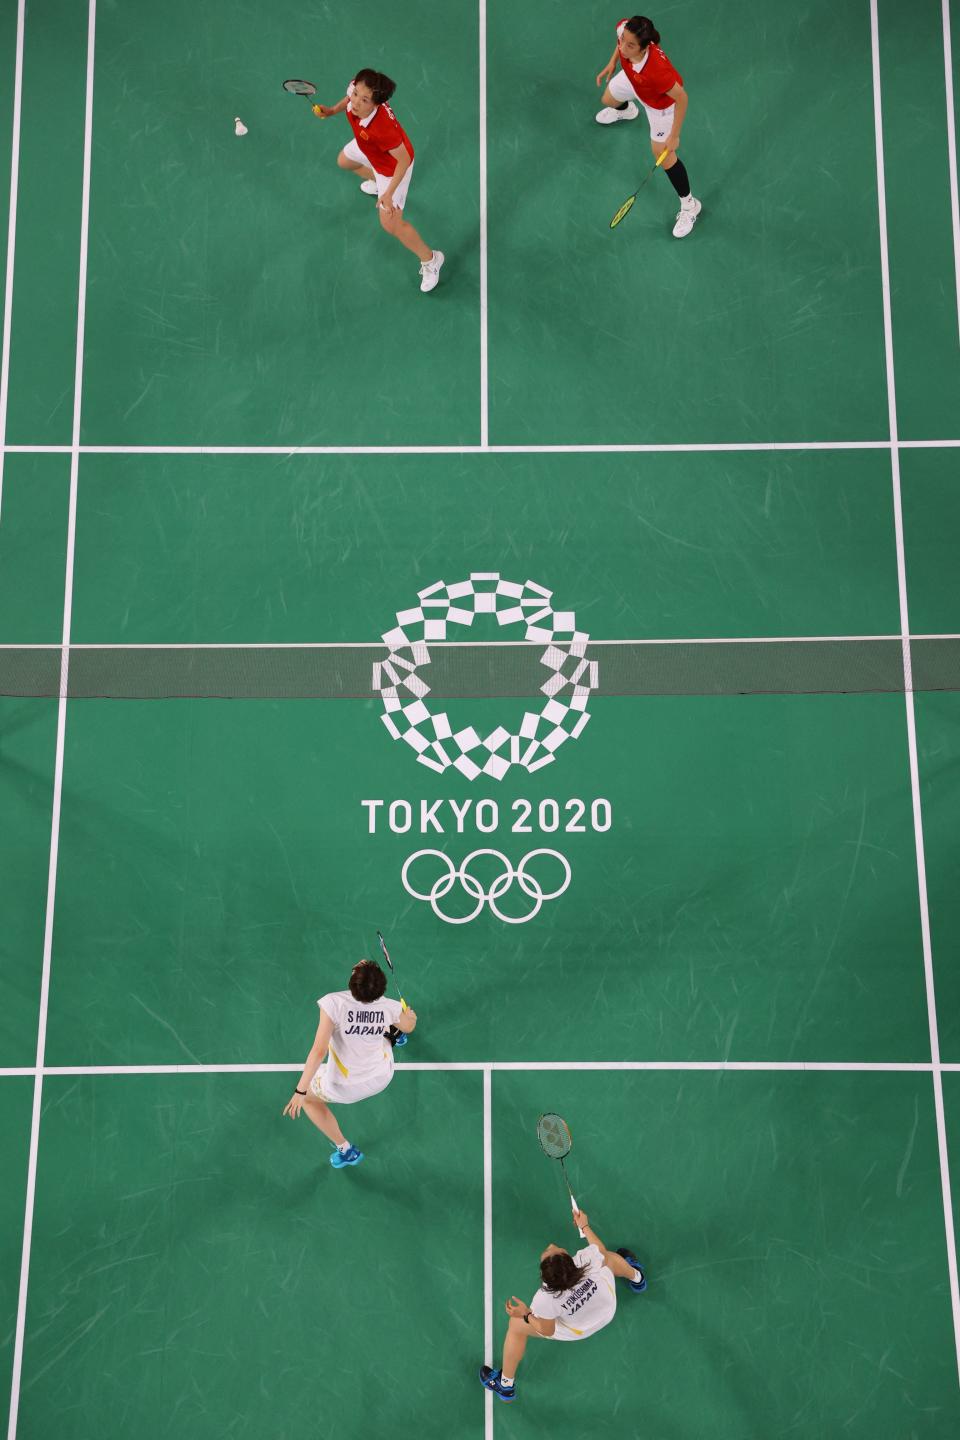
507, 1383
638, 1277
344, 1147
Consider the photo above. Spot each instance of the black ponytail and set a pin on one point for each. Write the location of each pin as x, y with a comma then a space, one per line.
381, 87
643, 30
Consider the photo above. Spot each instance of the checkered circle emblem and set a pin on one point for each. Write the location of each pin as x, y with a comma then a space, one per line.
441, 610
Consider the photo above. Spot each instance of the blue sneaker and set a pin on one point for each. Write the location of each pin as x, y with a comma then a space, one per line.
490, 1380
400, 1040
340, 1158
631, 1259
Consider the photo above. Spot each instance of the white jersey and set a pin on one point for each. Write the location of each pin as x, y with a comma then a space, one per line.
587, 1307
358, 1047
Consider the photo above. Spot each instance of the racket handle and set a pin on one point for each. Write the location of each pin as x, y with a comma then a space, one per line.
660, 158
403, 1004
575, 1207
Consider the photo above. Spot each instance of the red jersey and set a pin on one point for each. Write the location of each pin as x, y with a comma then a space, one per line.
377, 136
652, 78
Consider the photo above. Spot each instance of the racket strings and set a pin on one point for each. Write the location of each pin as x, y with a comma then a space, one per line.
553, 1132
300, 87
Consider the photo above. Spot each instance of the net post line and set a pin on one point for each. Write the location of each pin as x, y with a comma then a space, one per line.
918, 829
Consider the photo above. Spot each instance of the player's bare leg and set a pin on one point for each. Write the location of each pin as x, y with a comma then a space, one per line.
514, 1345
618, 1265
362, 170
325, 1120
394, 224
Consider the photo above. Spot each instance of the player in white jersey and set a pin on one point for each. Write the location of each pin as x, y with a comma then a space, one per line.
577, 1297
352, 1055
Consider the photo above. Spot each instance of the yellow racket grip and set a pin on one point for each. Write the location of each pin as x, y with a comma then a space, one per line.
660, 159
403, 1004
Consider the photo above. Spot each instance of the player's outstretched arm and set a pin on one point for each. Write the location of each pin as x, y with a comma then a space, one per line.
609, 68
324, 112
312, 1064
407, 1021
582, 1221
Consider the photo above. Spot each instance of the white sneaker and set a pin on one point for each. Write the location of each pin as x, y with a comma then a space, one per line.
686, 217
430, 272
369, 187
610, 114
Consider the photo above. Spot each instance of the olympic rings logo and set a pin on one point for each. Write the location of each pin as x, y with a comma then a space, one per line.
452, 874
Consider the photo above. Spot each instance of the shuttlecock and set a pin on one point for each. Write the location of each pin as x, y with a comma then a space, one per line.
238, 127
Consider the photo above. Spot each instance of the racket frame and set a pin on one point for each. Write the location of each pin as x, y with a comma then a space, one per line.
289, 85
563, 1169
628, 204
386, 955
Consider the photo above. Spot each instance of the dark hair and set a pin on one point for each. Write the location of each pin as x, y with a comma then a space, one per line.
381, 87
367, 982
644, 30
560, 1272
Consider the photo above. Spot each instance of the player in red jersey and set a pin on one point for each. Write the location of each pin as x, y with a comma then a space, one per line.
382, 154
647, 75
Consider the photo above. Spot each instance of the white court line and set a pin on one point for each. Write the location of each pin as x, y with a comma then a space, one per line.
952, 149
290, 452
866, 1067
487, 1243
908, 686
58, 764
11, 239
484, 353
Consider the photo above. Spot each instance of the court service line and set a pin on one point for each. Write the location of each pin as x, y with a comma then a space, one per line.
11, 238
58, 763
866, 1067
952, 150
484, 353
908, 686
291, 452
488, 1243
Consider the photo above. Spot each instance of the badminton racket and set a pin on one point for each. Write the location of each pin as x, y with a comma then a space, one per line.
556, 1142
401, 1037
628, 204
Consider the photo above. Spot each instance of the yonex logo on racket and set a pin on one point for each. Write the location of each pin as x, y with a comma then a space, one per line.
449, 875
442, 608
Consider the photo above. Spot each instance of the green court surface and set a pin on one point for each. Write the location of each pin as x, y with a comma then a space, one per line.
706, 930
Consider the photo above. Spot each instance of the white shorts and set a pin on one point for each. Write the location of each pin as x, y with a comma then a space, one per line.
660, 121
330, 1083
354, 153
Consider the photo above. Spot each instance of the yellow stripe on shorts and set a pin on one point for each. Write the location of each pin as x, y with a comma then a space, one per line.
339, 1063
